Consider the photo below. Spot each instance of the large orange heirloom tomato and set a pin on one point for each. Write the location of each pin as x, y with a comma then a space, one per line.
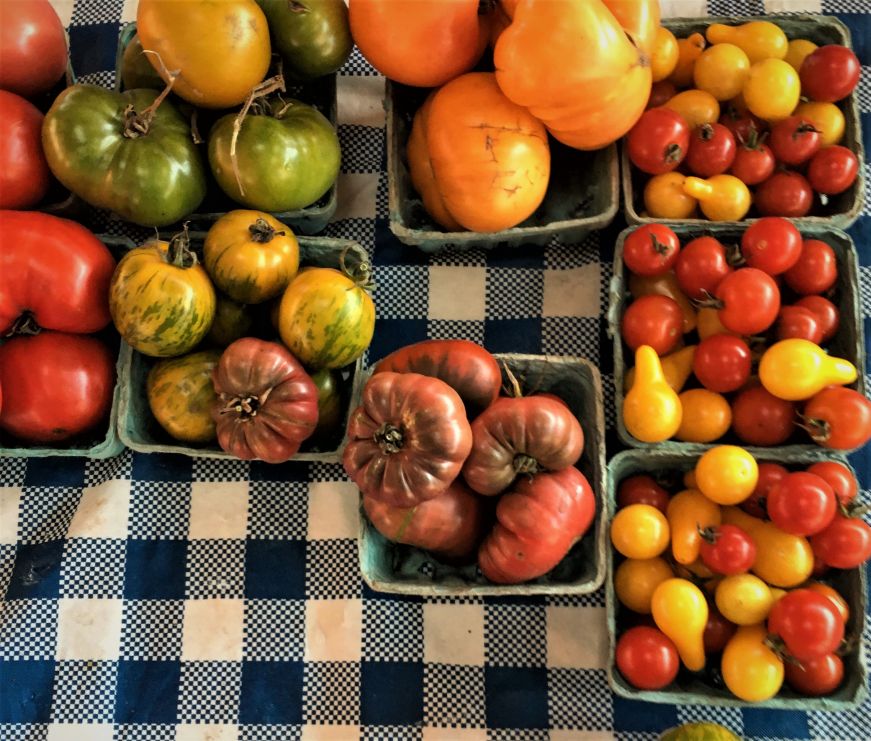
420, 42
478, 161
220, 48
576, 68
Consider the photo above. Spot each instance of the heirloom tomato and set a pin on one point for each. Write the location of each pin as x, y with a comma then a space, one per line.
636, 579
407, 440
33, 47
827, 314
760, 418
329, 425
829, 73
640, 20
639, 531
647, 658
652, 320
771, 244
642, 489
232, 322
839, 477
136, 71
838, 418
700, 267
751, 670
24, 175
819, 676
659, 142
833, 170
844, 544
808, 624
180, 395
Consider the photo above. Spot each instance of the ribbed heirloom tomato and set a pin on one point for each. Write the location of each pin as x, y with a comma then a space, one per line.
24, 174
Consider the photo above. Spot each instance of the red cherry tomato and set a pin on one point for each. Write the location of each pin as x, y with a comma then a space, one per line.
647, 658
808, 624
745, 127
794, 140
772, 245
750, 301
718, 631
659, 142
801, 504
660, 93
753, 164
642, 489
816, 270
727, 550
827, 314
839, 418
821, 568
722, 363
815, 677
829, 73
769, 475
839, 477
24, 174
712, 150
784, 194
834, 595
700, 267
652, 320
832, 170
33, 47
760, 418
651, 250
794, 321
845, 544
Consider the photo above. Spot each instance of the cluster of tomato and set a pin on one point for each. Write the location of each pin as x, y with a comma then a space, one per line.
433, 444
717, 576
743, 318
700, 158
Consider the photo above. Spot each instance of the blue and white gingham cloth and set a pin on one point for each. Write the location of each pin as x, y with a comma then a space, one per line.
159, 597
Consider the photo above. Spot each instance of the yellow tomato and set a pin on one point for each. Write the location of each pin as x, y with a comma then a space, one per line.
827, 118
664, 197
688, 51
663, 58
744, 599
688, 512
722, 70
751, 670
772, 90
696, 106
651, 409
727, 474
706, 416
639, 531
636, 579
676, 368
758, 39
797, 50
689, 480
797, 369
680, 610
777, 594
721, 197
708, 323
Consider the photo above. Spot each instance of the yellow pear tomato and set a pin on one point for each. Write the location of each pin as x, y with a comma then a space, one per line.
688, 51
751, 670
758, 39
664, 197
688, 512
639, 531
727, 474
797, 369
706, 416
676, 368
721, 197
744, 599
721, 70
651, 409
772, 90
680, 610
636, 579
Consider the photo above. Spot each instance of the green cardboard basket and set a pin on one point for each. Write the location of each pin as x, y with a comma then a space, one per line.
689, 689
849, 343
842, 209
401, 569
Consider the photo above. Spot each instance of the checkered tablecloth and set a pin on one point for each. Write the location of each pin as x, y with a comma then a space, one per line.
159, 597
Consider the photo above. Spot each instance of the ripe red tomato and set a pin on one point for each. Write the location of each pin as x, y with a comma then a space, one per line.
760, 418
718, 631
722, 363
801, 504
829, 73
784, 194
660, 93
24, 174
56, 385
838, 417
33, 47
712, 150
769, 475
827, 314
700, 267
750, 300
647, 658
728, 550
642, 489
651, 250
745, 127
832, 170
845, 544
795, 321
794, 140
659, 141
808, 623
839, 477
816, 270
815, 677
772, 245
753, 164
834, 595
652, 320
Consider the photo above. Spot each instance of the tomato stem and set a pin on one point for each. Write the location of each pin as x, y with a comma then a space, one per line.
138, 124
361, 273
514, 390
25, 324
524, 463
819, 429
246, 406
179, 252
262, 232
389, 438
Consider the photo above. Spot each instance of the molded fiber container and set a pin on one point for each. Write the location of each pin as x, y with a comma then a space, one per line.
848, 343
321, 93
842, 209
689, 689
582, 195
401, 569
138, 428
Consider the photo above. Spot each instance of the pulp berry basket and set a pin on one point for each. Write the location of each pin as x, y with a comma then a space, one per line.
841, 210
849, 342
320, 93
697, 689
401, 569
140, 431
102, 442
582, 195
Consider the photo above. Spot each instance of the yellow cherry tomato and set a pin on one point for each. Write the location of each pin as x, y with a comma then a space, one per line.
743, 599
777, 594
751, 670
727, 474
708, 323
689, 480
680, 610
721, 197
665, 285
676, 368
636, 579
721, 70
687, 513
797, 369
665, 54
772, 90
664, 197
696, 106
827, 118
758, 39
639, 531
688, 51
706, 416
651, 409
797, 50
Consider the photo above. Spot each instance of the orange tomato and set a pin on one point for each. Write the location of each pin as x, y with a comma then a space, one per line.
689, 50
640, 19
665, 54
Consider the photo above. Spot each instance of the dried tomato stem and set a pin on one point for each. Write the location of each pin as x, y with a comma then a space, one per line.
138, 124
361, 274
526, 464
262, 232
179, 252
25, 324
389, 438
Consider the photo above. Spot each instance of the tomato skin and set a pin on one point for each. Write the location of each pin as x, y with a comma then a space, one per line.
769, 475
639, 531
700, 267
816, 677
33, 47
745, 127
664, 197
839, 477
751, 300
706, 416
794, 321
829, 73
24, 174
647, 658
651, 250
771, 244
652, 320
833, 170
728, 550
808, 623
712, 150
718, 631
659, 142
753, 165
56, 385
751, 670
660, 93
816, 269
664, 285
828, 316
760, 418
180, 395
727, 474
845, 544
784, 194
794, 140
839, 418
801, 503
835, 596
636, 579
642, 489
722, 363
744, 599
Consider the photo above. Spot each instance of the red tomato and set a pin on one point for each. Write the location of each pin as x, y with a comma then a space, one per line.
722, 363
845, 544
660, 93
829, 73
815, 677
659, 141
821, 568
771, 244
750, 300
647, 658
838, 417
718, 631
642, 489
834, 595
56, 385
816, 270
801, 504
794, 140
652, 320
33, 47
700, 267
753, 164
760, 418
808, 624
651, 250
745, 127
832, 170
784, 194
839, 477
24, 174
828, 316
769, 475
795, 321
712, 150
728, 550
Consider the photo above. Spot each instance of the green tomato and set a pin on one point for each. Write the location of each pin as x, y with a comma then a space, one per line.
328, 431
232, 322
136, 70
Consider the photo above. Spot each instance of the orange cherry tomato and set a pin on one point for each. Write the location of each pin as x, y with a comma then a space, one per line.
689, 50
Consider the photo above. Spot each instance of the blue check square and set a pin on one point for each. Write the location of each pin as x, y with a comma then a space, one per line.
391, 693
775, 723
147, 691
275, 569
271, 692
177, 468
391, 334
66, 472
26, 693
155, 569
516, 697
36, 573
640, 717
513, 335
